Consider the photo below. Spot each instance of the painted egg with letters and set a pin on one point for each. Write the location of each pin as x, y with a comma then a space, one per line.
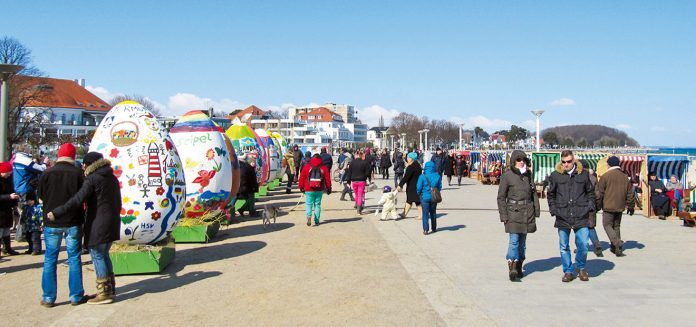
207, 165
148, 168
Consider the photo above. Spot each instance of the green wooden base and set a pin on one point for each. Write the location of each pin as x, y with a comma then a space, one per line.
263, 190
271, 186
195, 233
146, 261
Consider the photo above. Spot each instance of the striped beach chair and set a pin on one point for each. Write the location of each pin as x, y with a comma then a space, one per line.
590, 158
665, 166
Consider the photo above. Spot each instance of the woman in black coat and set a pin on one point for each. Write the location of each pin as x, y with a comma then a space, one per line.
8, 200
449, 168
385, 163
413, 171
102, 194
659, 200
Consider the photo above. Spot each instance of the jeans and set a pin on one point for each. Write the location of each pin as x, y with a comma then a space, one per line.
517, 246
53, 238
581, 238
101, 260
290, 179
34, 241
397, 178
594, 238
313, 201
359, 189
429, 212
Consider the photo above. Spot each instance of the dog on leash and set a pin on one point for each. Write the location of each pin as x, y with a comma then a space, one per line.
269, 215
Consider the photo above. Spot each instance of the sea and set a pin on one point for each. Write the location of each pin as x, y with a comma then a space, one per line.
666, 150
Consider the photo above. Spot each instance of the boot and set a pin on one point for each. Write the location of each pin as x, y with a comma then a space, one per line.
343, 196
512, 267
352, 198
619, 251
104, 290
520, 274
113, 284
7, 246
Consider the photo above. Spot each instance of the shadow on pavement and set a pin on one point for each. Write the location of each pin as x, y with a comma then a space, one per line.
451, 228
541, 265
161, 284
342, 220
596, 267
251, 230
633, 245
212, 253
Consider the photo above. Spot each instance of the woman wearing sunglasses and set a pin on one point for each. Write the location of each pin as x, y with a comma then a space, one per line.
518, 206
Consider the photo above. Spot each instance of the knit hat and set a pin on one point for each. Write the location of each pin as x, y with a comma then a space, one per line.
413, 156
67, 150
613, 161
91, 157
5, 167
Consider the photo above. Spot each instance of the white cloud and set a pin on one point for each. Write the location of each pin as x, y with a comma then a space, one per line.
370, 115
529, 124
658, 129
181, 103
102, 92
281, 108
623, 126
563, 102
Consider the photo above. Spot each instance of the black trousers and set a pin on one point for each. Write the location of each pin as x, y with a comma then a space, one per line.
612, 225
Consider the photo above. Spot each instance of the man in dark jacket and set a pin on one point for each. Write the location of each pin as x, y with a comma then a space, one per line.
571, 198
8, 202
462, 169
326, 159
248, 186
297, 156
102, 194
439, 160
56, 186
614, 194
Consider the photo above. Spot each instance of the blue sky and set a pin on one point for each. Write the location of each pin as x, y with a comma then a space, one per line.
624, 64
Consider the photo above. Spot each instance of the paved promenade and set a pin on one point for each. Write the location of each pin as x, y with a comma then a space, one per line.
358, 271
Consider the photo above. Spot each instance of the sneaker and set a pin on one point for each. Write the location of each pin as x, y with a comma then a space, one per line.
662, 217
27, 252
316, 223
309, 221
402, 216
83, 300
567, 278
46, 304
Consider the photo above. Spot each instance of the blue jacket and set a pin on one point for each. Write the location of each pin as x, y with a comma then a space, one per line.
435, 180
23, 170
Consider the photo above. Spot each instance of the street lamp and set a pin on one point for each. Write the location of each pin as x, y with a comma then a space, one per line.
392, 142
403, 140
426, 137
420, 139
461, 126
6, 71
537, 113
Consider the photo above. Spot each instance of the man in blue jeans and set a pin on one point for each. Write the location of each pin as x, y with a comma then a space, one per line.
56, 186
571, 199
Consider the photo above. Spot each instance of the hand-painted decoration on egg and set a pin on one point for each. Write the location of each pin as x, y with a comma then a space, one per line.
263, 146
148, 168
274, 158
244, 142
234, 161
207, 165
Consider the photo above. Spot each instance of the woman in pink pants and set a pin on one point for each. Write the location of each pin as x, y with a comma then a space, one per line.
359, 171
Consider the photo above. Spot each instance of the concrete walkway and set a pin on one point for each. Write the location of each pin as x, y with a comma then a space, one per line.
359, 271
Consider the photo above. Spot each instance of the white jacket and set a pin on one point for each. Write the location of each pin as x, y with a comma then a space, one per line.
388, 201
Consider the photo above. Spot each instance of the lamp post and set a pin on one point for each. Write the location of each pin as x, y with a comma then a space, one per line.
426, 137
403, 140
392, 142
6, 71
537, 113
420, 139
461, 127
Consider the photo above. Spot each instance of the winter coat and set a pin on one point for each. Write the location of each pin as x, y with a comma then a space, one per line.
460, 163
248, 184
25, 173
448, 168
297, 155
518, 203
388, 201
413, 172
56, 186
360, 170
303, 180
439, 160
614, 191
657, 199
102, 194
6, 204
399, 166
571, 197
422, 187
289, 163
326, 160
385, 161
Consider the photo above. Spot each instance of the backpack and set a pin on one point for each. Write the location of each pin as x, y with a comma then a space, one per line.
316, 179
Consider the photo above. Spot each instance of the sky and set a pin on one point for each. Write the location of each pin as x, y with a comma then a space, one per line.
623, 64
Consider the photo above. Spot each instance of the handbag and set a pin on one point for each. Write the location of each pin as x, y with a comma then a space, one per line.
434, 193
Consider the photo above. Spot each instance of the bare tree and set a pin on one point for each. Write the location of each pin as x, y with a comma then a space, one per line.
14, 52
145, 101
277, 114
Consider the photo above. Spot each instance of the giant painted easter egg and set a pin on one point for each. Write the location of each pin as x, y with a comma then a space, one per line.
207, 165
274, 162
148, 169
263, 146
280, 153
234, 161
247, 147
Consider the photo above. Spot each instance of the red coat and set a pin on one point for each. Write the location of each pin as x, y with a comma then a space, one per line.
302, 181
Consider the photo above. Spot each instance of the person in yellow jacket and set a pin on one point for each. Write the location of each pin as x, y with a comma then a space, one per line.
289, 165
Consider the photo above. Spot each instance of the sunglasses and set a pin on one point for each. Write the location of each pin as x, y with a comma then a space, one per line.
567, 162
